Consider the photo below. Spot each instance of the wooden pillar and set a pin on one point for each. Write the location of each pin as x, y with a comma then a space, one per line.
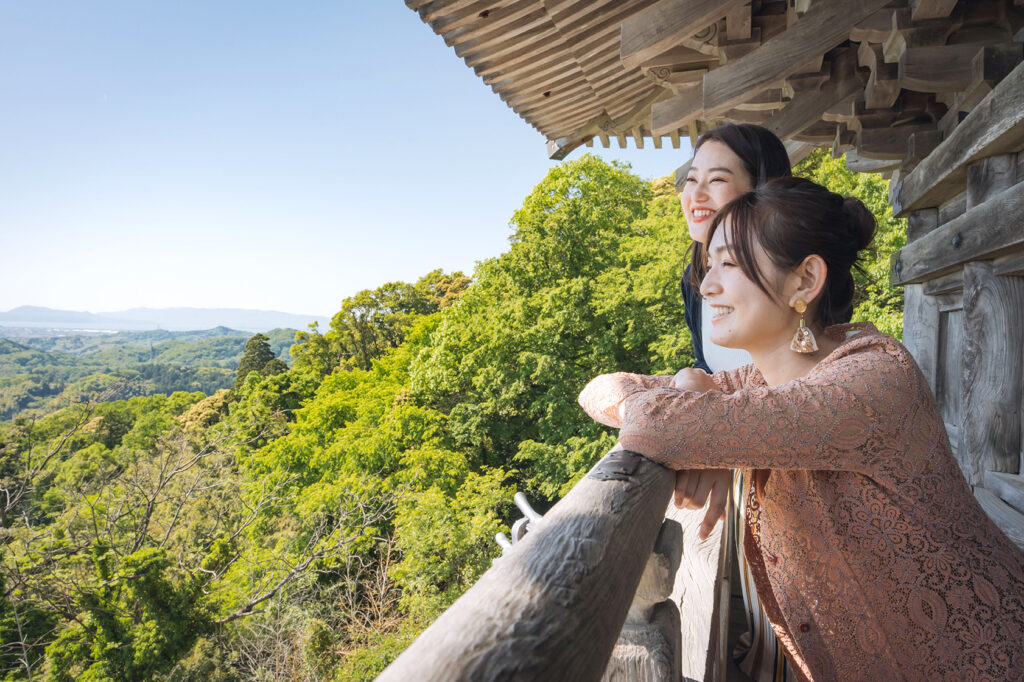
990, 432
921, 330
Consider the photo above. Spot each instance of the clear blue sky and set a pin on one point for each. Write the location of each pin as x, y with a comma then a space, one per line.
251, 154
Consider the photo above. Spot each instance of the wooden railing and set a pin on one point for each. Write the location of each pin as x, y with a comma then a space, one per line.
552, 607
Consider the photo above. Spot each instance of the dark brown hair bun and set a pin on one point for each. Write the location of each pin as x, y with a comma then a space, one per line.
791, 219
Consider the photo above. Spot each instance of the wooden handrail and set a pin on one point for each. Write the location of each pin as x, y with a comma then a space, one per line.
552, 607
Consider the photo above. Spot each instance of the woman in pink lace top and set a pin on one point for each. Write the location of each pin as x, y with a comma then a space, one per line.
870, 554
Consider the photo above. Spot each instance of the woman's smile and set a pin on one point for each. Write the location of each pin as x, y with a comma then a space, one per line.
719, 312
700, 214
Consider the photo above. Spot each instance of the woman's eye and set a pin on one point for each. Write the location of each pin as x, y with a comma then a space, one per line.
690, 180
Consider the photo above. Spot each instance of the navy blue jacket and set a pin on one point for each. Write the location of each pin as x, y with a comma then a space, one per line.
692, 312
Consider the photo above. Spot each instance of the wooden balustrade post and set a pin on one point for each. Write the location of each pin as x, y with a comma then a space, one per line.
648, 649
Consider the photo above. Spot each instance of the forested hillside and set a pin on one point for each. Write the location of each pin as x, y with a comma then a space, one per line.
307, 523
41, 374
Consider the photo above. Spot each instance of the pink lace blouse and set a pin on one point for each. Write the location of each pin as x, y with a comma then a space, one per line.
868, 549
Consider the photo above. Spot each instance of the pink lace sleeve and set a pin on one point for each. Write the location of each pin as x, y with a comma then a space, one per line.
601, 397
826, 420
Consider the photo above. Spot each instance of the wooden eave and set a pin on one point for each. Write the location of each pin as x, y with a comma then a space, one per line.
883, 81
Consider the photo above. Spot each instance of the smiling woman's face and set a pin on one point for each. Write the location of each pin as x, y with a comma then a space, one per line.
715, 178
743, 315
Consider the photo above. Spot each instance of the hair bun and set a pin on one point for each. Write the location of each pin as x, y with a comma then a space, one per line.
861, 221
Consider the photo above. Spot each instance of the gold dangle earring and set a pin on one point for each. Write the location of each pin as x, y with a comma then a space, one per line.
803, 340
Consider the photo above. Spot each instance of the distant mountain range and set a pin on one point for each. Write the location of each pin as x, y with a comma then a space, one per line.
172, 319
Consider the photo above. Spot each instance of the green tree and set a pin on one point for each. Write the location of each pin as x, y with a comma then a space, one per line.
589, 285
375, 321
259, 358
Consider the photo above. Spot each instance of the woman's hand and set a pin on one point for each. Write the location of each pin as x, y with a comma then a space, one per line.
695, 486
691, 379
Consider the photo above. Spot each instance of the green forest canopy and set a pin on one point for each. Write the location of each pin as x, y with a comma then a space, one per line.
309, 522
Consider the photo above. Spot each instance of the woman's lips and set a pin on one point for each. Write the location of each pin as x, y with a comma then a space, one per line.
719, 311
700, 214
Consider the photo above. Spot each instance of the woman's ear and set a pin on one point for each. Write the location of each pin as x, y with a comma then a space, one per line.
807, 280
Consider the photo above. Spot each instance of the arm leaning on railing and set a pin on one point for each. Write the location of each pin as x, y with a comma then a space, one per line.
553, 606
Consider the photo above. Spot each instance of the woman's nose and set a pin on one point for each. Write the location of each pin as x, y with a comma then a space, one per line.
700, 191
709, 285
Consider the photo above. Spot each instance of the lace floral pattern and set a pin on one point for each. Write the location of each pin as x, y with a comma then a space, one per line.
872, 558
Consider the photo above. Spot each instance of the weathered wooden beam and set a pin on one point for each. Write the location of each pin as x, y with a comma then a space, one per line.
737, 22
807, 108
883, 86
905, 34
1009, 488
996, 125
931, 9
860, 164
877, 27
990, 176
993, 365
679, 111
920, 144
1012, 264
953, 283
664, 25
985, 231
1008, 519
921, 329
819, 132
887, 143
570, 580
825, 25
920, 223
601, 126
944, 68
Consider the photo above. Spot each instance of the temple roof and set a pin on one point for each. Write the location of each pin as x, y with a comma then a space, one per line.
882, 81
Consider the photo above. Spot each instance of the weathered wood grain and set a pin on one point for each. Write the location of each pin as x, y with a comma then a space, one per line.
990, 176
825, 25
949, 373
1009, 520
921, 330
883, 86
985, 231
920, 223
953, 283
888, 142
1010, 264
931, 9
994, 126
679, 111
993, 330
941, 68
695, 590
648, 648
664, 25
808, 107
569, 581
1009, 487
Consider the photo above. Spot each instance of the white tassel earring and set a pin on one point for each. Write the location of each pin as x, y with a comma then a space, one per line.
803, 340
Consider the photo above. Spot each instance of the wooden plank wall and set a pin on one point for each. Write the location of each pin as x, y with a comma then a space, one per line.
963, 269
